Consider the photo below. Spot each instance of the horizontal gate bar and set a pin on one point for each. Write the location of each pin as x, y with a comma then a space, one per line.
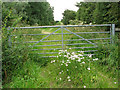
56, 56
65, 40
68, 44
50, 53
61, 48
58, 26
47, 49
88, 51
60, 33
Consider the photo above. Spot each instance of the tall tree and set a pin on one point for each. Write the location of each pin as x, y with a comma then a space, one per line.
40, 13
68, 15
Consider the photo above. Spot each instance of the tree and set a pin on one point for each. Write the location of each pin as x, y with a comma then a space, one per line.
40, 13
68, 15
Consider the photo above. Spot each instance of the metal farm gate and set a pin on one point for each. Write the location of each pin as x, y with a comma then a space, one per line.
51, 46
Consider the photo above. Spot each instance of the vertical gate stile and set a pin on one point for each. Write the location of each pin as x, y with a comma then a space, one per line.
113, 32
62, 37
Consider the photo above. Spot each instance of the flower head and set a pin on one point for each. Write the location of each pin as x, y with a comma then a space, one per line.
88, 68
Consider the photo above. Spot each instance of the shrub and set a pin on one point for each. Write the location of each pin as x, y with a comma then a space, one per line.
108, 55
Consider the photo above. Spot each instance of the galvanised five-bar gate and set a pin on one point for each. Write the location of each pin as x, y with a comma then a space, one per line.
111, 32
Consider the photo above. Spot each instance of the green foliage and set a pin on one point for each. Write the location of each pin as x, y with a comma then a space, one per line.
108, 55
62, 72
32, 13
98, 12
68, 15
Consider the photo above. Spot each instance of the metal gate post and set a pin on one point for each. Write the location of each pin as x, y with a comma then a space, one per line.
113, 32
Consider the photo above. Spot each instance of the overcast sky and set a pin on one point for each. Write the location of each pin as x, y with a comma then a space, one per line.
61, 5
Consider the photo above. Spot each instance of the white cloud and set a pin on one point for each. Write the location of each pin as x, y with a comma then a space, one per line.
61, 5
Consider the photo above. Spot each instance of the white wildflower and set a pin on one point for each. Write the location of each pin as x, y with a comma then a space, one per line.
75, 66
59, 72
80, 55
53, 60
67, 60
115, 82
83, 62
76, 56
84, 86
15, 36
63, 61
66, 65
61, 64
68, 77
90, 55
65, 55
90, 24
88, 68
95, 59
60, 78
79, 60
67, 70
73, 53
69, 80
72, 58
65, 50
69, 48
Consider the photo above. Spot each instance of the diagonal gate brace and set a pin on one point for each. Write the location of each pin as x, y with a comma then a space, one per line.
46, 36
80, 36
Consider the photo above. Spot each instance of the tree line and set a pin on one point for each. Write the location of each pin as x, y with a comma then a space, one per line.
93, 12
30, 13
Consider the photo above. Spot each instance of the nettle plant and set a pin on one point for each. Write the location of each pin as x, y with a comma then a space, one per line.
72, 64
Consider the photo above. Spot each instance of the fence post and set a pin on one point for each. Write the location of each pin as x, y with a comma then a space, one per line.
62, 36
9, 37
113, 32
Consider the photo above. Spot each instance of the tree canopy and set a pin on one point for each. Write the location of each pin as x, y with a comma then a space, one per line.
31, 13
68, 15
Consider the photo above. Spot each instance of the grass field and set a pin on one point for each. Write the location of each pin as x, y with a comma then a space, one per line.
68, 70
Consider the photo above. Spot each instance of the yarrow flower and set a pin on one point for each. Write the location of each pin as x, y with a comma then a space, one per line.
84, 86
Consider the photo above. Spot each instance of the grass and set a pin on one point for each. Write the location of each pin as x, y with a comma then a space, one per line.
50, 73
32, 75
